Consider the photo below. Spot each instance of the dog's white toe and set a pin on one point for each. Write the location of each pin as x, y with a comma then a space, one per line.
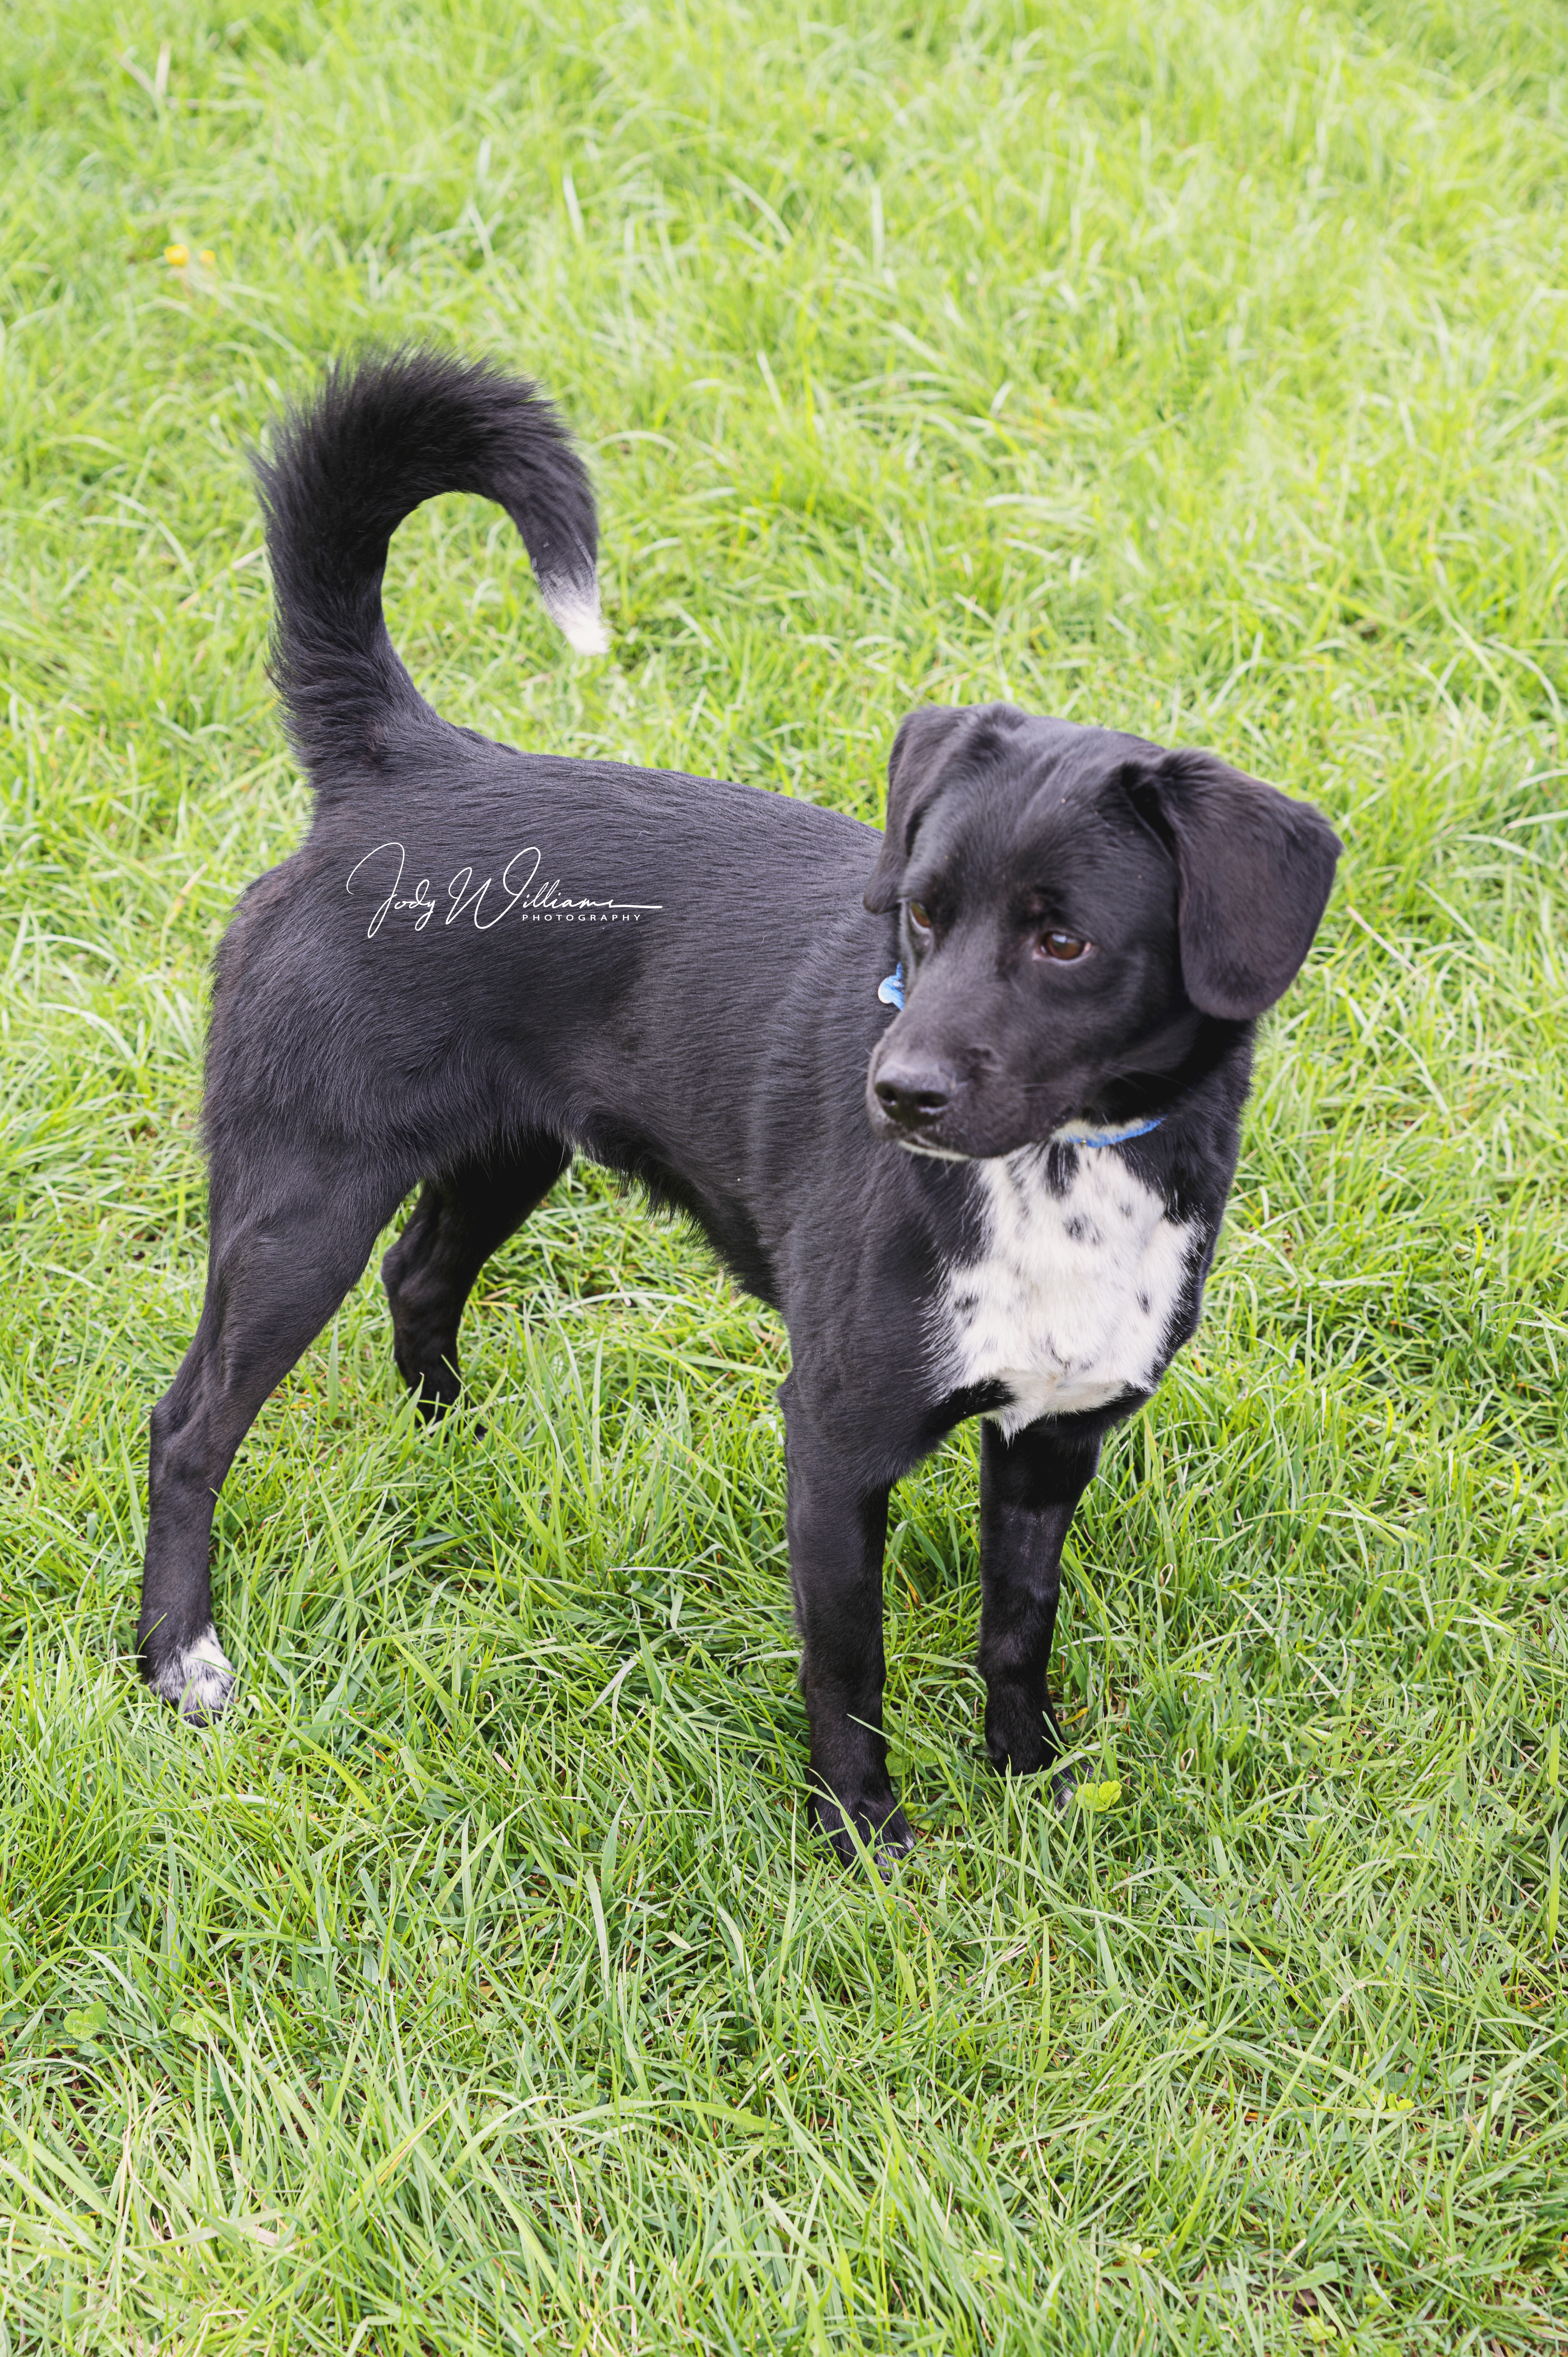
199, 1680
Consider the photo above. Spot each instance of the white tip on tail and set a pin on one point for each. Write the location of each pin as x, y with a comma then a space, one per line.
199, 1680
574, 607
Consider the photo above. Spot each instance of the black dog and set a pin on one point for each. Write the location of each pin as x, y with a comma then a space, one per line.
1000, 1201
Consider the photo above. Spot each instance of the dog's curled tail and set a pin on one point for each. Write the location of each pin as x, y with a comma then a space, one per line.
383, 433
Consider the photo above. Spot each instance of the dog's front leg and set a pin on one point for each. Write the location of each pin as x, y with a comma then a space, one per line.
837, 1532
1030, 1487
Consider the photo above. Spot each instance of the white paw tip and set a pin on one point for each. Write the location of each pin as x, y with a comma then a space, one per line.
199, 1680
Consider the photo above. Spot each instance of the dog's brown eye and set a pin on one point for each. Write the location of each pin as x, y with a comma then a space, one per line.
1065, 946
919, 917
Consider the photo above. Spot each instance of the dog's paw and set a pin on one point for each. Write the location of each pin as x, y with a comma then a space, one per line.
198, 1680
1036, 1759
893, 1840
1021, 1739
881, 1831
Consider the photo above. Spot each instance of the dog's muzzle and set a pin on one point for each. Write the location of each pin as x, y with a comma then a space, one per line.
914, 1096
911, 1104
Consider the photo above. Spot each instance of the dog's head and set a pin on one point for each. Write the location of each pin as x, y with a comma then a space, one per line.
1075, 905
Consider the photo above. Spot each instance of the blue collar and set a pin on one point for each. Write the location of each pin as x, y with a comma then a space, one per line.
890, 993
1112, 1138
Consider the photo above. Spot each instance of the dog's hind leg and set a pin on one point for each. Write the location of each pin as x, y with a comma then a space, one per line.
1030, 1487
459, 1220
275, 1275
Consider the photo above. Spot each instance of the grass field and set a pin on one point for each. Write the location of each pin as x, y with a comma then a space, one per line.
1198, 368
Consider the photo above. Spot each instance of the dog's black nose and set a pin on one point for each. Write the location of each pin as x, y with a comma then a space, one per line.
913, 1099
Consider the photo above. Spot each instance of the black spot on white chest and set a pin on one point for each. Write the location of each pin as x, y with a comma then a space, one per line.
1072, 1294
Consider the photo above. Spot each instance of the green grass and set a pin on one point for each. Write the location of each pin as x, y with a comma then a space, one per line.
1198, 368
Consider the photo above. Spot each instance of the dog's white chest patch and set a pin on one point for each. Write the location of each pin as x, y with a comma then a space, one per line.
1070, 1301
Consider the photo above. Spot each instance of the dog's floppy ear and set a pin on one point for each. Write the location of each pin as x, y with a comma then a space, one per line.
923, 737
1253, 870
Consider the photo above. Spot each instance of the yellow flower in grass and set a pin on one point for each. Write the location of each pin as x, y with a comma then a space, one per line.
177, 256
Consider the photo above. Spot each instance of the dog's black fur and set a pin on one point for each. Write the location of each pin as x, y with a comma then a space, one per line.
436, 989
